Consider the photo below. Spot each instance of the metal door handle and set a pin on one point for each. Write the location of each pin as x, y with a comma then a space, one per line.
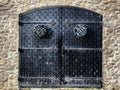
80, 30
41, 31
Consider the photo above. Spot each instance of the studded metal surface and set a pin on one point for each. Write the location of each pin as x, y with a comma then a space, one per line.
50, 53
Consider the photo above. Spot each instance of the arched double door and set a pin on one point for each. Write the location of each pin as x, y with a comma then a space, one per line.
60, 46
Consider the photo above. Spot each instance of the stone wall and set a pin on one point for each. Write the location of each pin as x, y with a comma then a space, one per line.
9, 10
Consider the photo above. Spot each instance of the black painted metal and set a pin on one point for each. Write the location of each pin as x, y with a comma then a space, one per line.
51, 54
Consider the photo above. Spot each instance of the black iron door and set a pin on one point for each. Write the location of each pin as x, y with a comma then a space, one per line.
81, 45
60, 46
39, 33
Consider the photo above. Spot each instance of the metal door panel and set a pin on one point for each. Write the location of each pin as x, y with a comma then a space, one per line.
38, 65
81, 56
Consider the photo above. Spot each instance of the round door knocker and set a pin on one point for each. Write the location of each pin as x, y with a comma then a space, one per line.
41, 31
80, 30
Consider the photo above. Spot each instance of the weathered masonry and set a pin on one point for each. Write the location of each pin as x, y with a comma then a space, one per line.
60, 46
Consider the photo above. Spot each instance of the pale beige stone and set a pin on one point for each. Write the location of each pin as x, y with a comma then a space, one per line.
4, 55
96, 1
118, 2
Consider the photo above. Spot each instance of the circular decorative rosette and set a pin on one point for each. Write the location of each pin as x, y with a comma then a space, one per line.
80, 30
41, 31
